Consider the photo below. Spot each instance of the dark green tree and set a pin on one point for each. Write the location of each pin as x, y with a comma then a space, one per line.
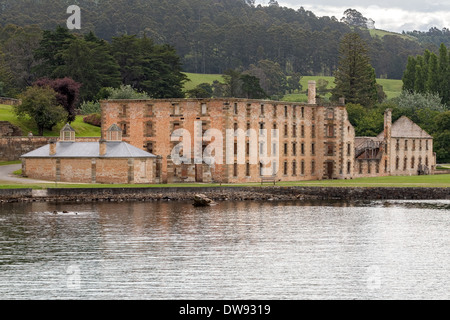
155, 69
293, 82
251, 89
19, 54
203, 90
409, 76
421, 75
271, 77
52, 43
442, 137
233, 83
355, 77
40, 105
6, 76
89, 63
432, 83
444, 74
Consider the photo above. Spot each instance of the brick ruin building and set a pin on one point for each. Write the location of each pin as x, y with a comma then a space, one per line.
294, 141
403, 148
307, 141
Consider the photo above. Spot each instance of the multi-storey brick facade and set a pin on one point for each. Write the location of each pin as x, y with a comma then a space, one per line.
308, 141
403, 148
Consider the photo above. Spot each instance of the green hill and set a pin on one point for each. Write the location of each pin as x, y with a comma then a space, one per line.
392, 88
82, 129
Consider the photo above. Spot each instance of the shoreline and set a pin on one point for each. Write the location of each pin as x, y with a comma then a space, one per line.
267, 193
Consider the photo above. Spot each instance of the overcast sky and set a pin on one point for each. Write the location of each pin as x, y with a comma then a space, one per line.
391, 15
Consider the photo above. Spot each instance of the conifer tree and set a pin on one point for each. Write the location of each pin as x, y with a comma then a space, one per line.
421, 75
444, 74
432, 85
355, 77
409, 76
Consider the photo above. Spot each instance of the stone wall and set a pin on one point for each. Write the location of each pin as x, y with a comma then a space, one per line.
12, 148
313, 141
224, 194
10, 101
9, 130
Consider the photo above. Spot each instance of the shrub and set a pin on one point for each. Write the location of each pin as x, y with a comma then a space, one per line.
90, 107
94, 119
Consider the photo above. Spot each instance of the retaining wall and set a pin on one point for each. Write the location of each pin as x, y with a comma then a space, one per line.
223, 193
12, 148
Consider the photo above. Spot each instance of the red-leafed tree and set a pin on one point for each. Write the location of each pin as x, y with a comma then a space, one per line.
67, 93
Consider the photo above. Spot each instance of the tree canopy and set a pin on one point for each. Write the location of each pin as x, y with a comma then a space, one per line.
429, 73
41, 106
212, 36
355, 77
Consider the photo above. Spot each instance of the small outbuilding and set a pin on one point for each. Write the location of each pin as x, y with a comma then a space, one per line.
109, 160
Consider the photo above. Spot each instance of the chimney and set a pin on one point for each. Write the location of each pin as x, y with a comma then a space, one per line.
387, 123
342, 101
311, 92
102, 147
52, 147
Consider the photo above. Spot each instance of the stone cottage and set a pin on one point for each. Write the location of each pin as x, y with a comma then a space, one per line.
403, 148
109, 160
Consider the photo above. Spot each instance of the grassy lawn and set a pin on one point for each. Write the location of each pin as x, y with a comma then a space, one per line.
377, 33
7, 163
392, 88
82, 129
438, 181
197, 78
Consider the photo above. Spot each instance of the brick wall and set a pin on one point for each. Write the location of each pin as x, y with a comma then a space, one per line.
91, 170
313, 140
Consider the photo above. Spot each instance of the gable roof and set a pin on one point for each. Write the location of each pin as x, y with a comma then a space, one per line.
406, 128
89, 150
67, 127
114, 127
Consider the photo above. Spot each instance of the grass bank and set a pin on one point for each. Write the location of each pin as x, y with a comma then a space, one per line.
82, 129
433, 181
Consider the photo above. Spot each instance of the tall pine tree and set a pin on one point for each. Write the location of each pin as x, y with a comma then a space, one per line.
355, 77
429, 73
444, 74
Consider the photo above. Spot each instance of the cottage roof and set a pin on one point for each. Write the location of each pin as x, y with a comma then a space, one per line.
67, 127
114, 127
406, 128
89, 150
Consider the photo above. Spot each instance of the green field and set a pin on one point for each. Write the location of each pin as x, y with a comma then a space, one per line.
82, 129
196, 78
377, 33
392, 88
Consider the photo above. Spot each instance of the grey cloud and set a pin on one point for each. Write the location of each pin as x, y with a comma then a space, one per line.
415, 5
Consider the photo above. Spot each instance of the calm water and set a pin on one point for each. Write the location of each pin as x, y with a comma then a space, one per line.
245, 250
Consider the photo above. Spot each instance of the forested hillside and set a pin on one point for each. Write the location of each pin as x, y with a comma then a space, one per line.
212, 36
